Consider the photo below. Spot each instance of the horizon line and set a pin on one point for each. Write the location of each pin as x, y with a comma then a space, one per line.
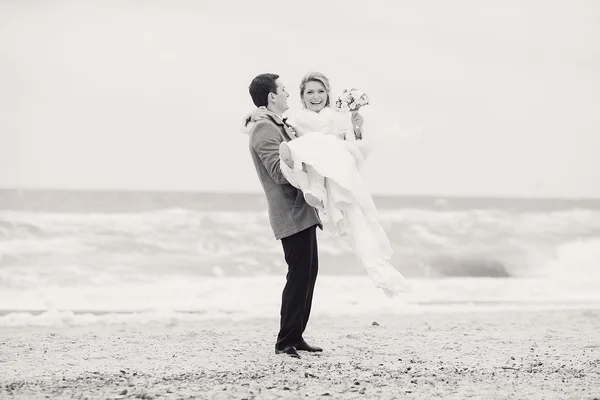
242, 193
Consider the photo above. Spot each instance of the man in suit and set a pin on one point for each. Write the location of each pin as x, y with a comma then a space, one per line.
293, 221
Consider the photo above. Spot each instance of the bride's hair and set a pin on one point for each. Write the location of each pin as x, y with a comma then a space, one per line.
317, 77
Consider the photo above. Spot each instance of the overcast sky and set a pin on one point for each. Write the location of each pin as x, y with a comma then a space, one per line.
489, 98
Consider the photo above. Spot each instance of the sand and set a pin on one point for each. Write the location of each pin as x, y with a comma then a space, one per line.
545, 355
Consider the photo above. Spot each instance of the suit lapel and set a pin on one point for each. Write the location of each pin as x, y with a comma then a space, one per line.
287, 131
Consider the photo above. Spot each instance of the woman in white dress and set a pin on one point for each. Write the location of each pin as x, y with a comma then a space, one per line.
324, 161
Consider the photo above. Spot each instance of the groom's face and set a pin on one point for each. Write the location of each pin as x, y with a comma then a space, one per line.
280, 97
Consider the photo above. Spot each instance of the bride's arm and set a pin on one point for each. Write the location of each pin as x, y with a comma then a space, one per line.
300, 130
353, 134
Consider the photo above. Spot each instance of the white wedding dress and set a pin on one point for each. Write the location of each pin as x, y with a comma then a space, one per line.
325, 141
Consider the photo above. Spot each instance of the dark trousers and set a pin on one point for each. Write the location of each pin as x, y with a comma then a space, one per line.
302, 259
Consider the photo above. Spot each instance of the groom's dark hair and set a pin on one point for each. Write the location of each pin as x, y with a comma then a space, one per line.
261, 86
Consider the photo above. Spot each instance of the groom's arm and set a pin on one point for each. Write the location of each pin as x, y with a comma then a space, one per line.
265, 141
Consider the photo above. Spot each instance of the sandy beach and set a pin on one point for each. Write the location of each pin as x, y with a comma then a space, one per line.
536, 354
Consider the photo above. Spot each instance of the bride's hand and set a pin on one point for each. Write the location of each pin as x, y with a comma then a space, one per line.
357, 123
357, 120
259, 114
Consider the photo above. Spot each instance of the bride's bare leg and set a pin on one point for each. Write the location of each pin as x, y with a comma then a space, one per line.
316, 194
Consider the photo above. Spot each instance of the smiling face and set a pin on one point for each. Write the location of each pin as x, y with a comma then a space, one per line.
315, 96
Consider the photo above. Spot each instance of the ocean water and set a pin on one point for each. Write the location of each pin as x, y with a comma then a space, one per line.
106, 257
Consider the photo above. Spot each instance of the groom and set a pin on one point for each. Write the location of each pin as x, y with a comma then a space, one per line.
293, 221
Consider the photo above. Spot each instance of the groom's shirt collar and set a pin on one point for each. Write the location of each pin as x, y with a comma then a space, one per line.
279, 120
275, 117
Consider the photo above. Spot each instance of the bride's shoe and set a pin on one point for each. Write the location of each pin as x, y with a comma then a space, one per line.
313, 200
286, 155
315, 197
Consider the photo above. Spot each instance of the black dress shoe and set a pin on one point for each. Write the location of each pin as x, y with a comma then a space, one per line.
290, 351
307, 347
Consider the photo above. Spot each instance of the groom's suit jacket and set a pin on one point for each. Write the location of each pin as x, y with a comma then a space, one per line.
288, 212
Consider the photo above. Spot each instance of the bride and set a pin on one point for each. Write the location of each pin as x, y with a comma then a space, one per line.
323, 161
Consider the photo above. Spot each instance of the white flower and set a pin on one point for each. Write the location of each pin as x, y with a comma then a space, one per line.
351, 100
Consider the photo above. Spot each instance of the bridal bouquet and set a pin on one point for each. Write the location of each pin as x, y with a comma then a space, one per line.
351, 100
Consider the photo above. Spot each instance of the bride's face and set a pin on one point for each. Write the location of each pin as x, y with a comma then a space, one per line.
315, 96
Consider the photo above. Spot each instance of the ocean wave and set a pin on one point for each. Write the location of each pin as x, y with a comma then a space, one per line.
184, 299
150, 244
